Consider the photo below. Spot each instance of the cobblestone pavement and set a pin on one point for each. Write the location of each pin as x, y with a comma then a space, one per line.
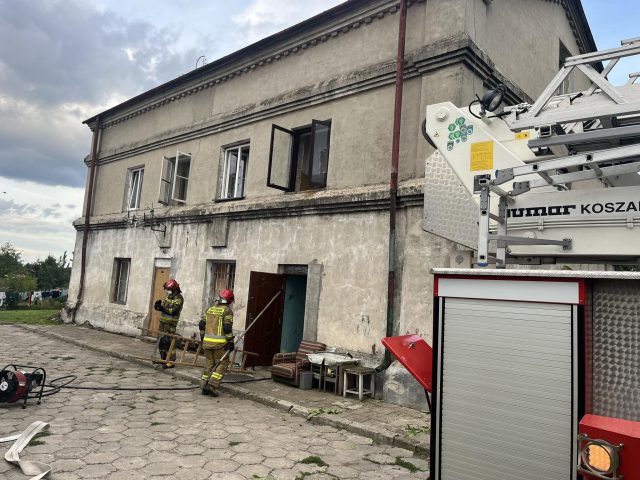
181, 434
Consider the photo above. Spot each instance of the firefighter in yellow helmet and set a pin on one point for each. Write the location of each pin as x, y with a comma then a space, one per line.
218, 340
169, 309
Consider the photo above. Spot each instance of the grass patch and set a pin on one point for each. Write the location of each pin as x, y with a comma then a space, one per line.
413, 431
233, 444
36, 440
316, 412
408, 465
314, 459
30, 317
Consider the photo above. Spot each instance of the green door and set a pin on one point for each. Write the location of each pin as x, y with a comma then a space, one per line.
295, 293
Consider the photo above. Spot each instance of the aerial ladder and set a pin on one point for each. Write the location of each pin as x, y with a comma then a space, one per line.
536, 371
524, 167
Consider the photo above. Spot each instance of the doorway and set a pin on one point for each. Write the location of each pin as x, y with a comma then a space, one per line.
295, 290
160, 276
281, 326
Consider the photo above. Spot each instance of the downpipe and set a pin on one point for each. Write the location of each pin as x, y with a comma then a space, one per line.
393, 183
87, 216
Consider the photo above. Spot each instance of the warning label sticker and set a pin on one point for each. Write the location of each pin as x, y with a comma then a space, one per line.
481, 156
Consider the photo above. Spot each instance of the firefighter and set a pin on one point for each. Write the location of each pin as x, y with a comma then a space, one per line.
170, 309
218, 340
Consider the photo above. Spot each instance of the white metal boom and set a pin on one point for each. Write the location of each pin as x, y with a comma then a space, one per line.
545, 150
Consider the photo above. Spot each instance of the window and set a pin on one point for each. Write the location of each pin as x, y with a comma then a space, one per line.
234, 170
175, 179
567, 85
299, 159
121, 269
134, 187
222, 275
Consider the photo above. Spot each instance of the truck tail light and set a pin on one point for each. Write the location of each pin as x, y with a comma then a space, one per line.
598, 458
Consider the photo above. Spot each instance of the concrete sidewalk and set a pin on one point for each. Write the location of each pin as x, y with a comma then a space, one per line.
383, 422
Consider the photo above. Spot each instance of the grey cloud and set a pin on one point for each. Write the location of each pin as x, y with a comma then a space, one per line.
68, 51
59, 60
12, 208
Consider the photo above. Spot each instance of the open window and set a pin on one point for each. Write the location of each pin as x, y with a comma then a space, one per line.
299, 158
175, 179
233, 166
134, 188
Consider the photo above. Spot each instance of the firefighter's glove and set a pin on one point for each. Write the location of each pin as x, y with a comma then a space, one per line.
230, 346
157, 305
202, 325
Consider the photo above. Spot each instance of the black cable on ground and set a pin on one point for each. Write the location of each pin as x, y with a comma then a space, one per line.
55, 388
250, 380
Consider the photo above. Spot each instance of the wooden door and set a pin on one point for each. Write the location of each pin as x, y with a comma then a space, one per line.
264, 336
160, 275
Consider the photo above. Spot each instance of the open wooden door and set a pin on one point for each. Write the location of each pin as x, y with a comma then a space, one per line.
160, 275
264, 336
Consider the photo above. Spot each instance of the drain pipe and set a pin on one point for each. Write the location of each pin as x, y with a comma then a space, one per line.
393, 184
87, 214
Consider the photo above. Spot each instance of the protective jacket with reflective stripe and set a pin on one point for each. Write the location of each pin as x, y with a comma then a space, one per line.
219, 326
173, 306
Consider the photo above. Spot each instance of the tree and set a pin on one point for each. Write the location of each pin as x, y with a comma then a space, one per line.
10, 261
17, 282
51, 273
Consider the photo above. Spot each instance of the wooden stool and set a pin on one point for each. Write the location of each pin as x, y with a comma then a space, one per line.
360, 373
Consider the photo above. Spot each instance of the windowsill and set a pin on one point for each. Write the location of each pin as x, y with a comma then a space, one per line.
309, 190
222, 200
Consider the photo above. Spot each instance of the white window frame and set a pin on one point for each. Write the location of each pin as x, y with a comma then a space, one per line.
135, 178
240, 171
120, 284
170, 166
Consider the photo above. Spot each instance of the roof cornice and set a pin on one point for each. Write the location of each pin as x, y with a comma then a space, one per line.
316, 30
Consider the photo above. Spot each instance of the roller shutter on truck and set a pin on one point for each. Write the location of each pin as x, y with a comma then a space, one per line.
506, 387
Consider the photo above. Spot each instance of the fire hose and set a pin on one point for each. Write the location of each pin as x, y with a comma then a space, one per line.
28, 467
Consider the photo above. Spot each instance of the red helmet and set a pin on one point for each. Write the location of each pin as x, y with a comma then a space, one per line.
227, 295
171, 284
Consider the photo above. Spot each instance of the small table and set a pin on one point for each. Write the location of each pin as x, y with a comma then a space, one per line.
359, 373
331, 374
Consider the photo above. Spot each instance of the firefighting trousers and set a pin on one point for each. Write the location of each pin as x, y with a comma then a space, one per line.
167, 327
214, 376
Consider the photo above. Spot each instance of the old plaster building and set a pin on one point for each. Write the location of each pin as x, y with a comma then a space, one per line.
270, 167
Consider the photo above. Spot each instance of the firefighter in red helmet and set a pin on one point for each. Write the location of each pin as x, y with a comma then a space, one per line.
218, 340
169, 309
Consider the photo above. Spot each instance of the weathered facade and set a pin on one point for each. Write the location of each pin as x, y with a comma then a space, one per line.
182, 178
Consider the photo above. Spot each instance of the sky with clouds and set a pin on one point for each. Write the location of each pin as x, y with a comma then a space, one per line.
63, 61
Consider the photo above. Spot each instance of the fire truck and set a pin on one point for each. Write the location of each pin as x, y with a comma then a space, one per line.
536, 348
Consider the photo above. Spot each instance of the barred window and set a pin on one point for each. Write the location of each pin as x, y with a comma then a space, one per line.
222, 275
